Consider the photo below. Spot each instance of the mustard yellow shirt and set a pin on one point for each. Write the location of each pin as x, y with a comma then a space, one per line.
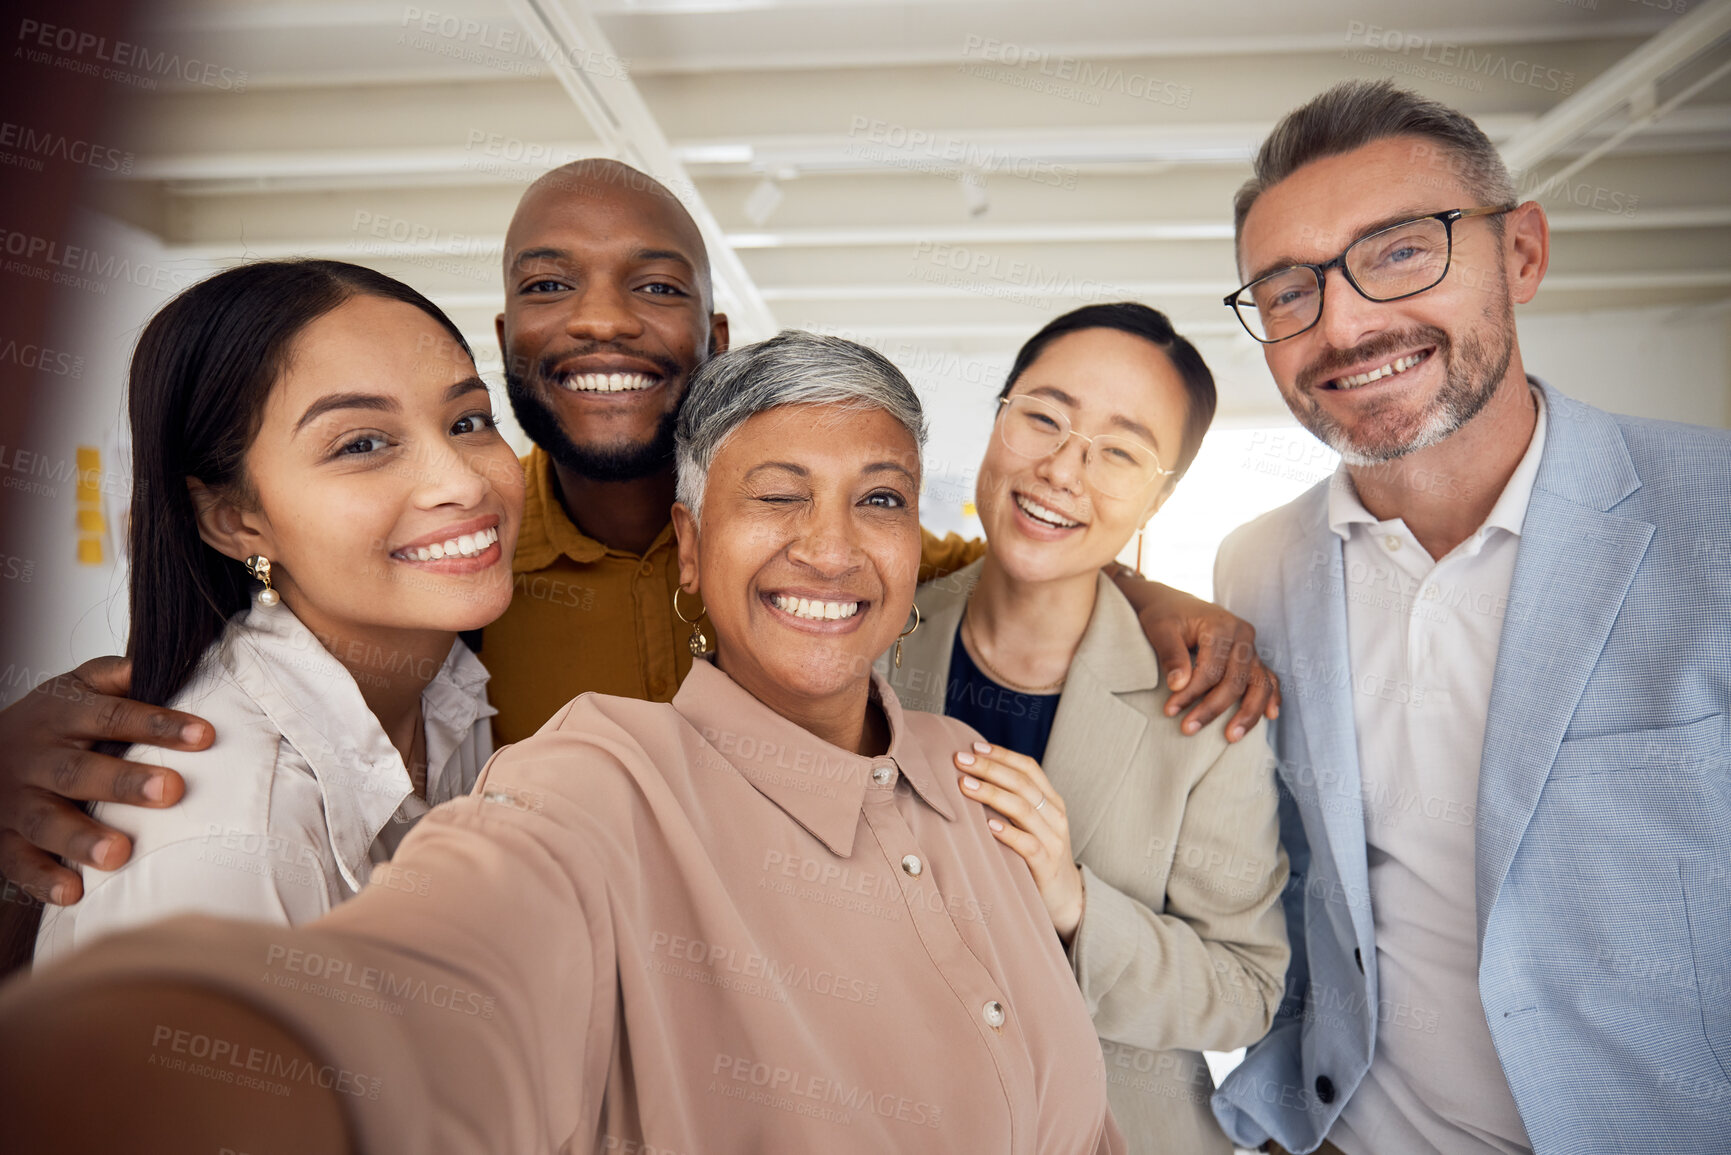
585, 617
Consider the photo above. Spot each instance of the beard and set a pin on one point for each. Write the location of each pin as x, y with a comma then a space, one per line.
1474, 369
628, 462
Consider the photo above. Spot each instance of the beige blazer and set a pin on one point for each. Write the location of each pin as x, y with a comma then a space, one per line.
1182, 945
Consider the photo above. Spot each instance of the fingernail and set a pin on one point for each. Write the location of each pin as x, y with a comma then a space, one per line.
58, 894
155, 788
1235, 733
965, 758
192, 732
970, 783
1192, 726
1176, 679
995, 824
1273, 712
983, 747
99, 852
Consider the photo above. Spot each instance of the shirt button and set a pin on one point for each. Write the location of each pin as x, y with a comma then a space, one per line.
1325, 1089
993, 1013
911, 864
882, 775
1392, 542
646, 569
1430, 593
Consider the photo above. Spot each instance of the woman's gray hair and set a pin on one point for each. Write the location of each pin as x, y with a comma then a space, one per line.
792, 368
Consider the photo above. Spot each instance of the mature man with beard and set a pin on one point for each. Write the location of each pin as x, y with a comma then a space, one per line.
608, 311
1504, 629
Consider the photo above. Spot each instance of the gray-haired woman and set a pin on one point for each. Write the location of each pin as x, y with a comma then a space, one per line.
762, 917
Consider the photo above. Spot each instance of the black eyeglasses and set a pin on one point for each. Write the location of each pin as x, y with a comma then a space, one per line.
1398, 261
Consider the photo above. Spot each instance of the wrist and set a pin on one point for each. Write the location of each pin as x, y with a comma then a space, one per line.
1068, 927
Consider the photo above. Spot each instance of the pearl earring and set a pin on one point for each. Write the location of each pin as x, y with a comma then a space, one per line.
258, 566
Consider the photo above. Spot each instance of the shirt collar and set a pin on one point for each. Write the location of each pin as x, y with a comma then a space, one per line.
1345, 510
548, 532
314, 703
820, 786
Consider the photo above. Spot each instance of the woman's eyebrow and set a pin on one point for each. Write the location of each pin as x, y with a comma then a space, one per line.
1055, 394
334, 401
889, 467
784, 466
1119, 421
378, 401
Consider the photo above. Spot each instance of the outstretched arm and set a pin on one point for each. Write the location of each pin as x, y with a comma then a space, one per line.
417, 1002
129, 1067
48, 765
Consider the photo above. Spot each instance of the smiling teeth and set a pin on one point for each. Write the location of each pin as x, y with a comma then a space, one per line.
1040, 513
467, 545
607, 383
813, 610
1389, 370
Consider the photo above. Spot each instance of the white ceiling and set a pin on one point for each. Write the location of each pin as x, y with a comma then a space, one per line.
888, 143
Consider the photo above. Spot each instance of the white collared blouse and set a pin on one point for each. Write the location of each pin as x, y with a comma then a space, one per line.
300, 796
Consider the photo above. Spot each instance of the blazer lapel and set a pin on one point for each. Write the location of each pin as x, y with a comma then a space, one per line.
1096, 734
1573, 570
1319, 676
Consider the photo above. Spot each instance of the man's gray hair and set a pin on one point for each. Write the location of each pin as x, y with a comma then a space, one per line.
1355, 113
792, 368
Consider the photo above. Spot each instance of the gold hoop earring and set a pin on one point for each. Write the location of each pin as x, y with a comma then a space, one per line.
905, 633
258, 566
698, 642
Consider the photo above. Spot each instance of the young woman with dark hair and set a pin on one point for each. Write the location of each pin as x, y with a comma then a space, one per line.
321, 502
1157, 855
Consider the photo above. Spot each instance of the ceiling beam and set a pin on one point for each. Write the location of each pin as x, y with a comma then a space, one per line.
1706, 127
489, 247
1629, 83
1090, 288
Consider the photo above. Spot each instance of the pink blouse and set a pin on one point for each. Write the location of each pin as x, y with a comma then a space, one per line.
681, 927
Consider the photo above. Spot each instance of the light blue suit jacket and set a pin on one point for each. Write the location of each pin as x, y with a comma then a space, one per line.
1603, 869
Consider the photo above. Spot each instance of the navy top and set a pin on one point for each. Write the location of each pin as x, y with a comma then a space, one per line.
1004, 717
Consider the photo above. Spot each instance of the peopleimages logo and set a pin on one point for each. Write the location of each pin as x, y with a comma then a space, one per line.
336, 973
1445, 62
135, 64
35, 145
227, 1061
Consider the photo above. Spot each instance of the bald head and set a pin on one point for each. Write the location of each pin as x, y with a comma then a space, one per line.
608, 310
597, 187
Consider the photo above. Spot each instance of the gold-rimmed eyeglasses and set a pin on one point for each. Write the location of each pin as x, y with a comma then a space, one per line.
1401, 260
1116, 465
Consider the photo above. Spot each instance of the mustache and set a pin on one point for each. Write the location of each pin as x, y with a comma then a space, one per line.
1333, 362
548, 367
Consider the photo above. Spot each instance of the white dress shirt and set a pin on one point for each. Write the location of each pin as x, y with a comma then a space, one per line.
1423, 637
299, 797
